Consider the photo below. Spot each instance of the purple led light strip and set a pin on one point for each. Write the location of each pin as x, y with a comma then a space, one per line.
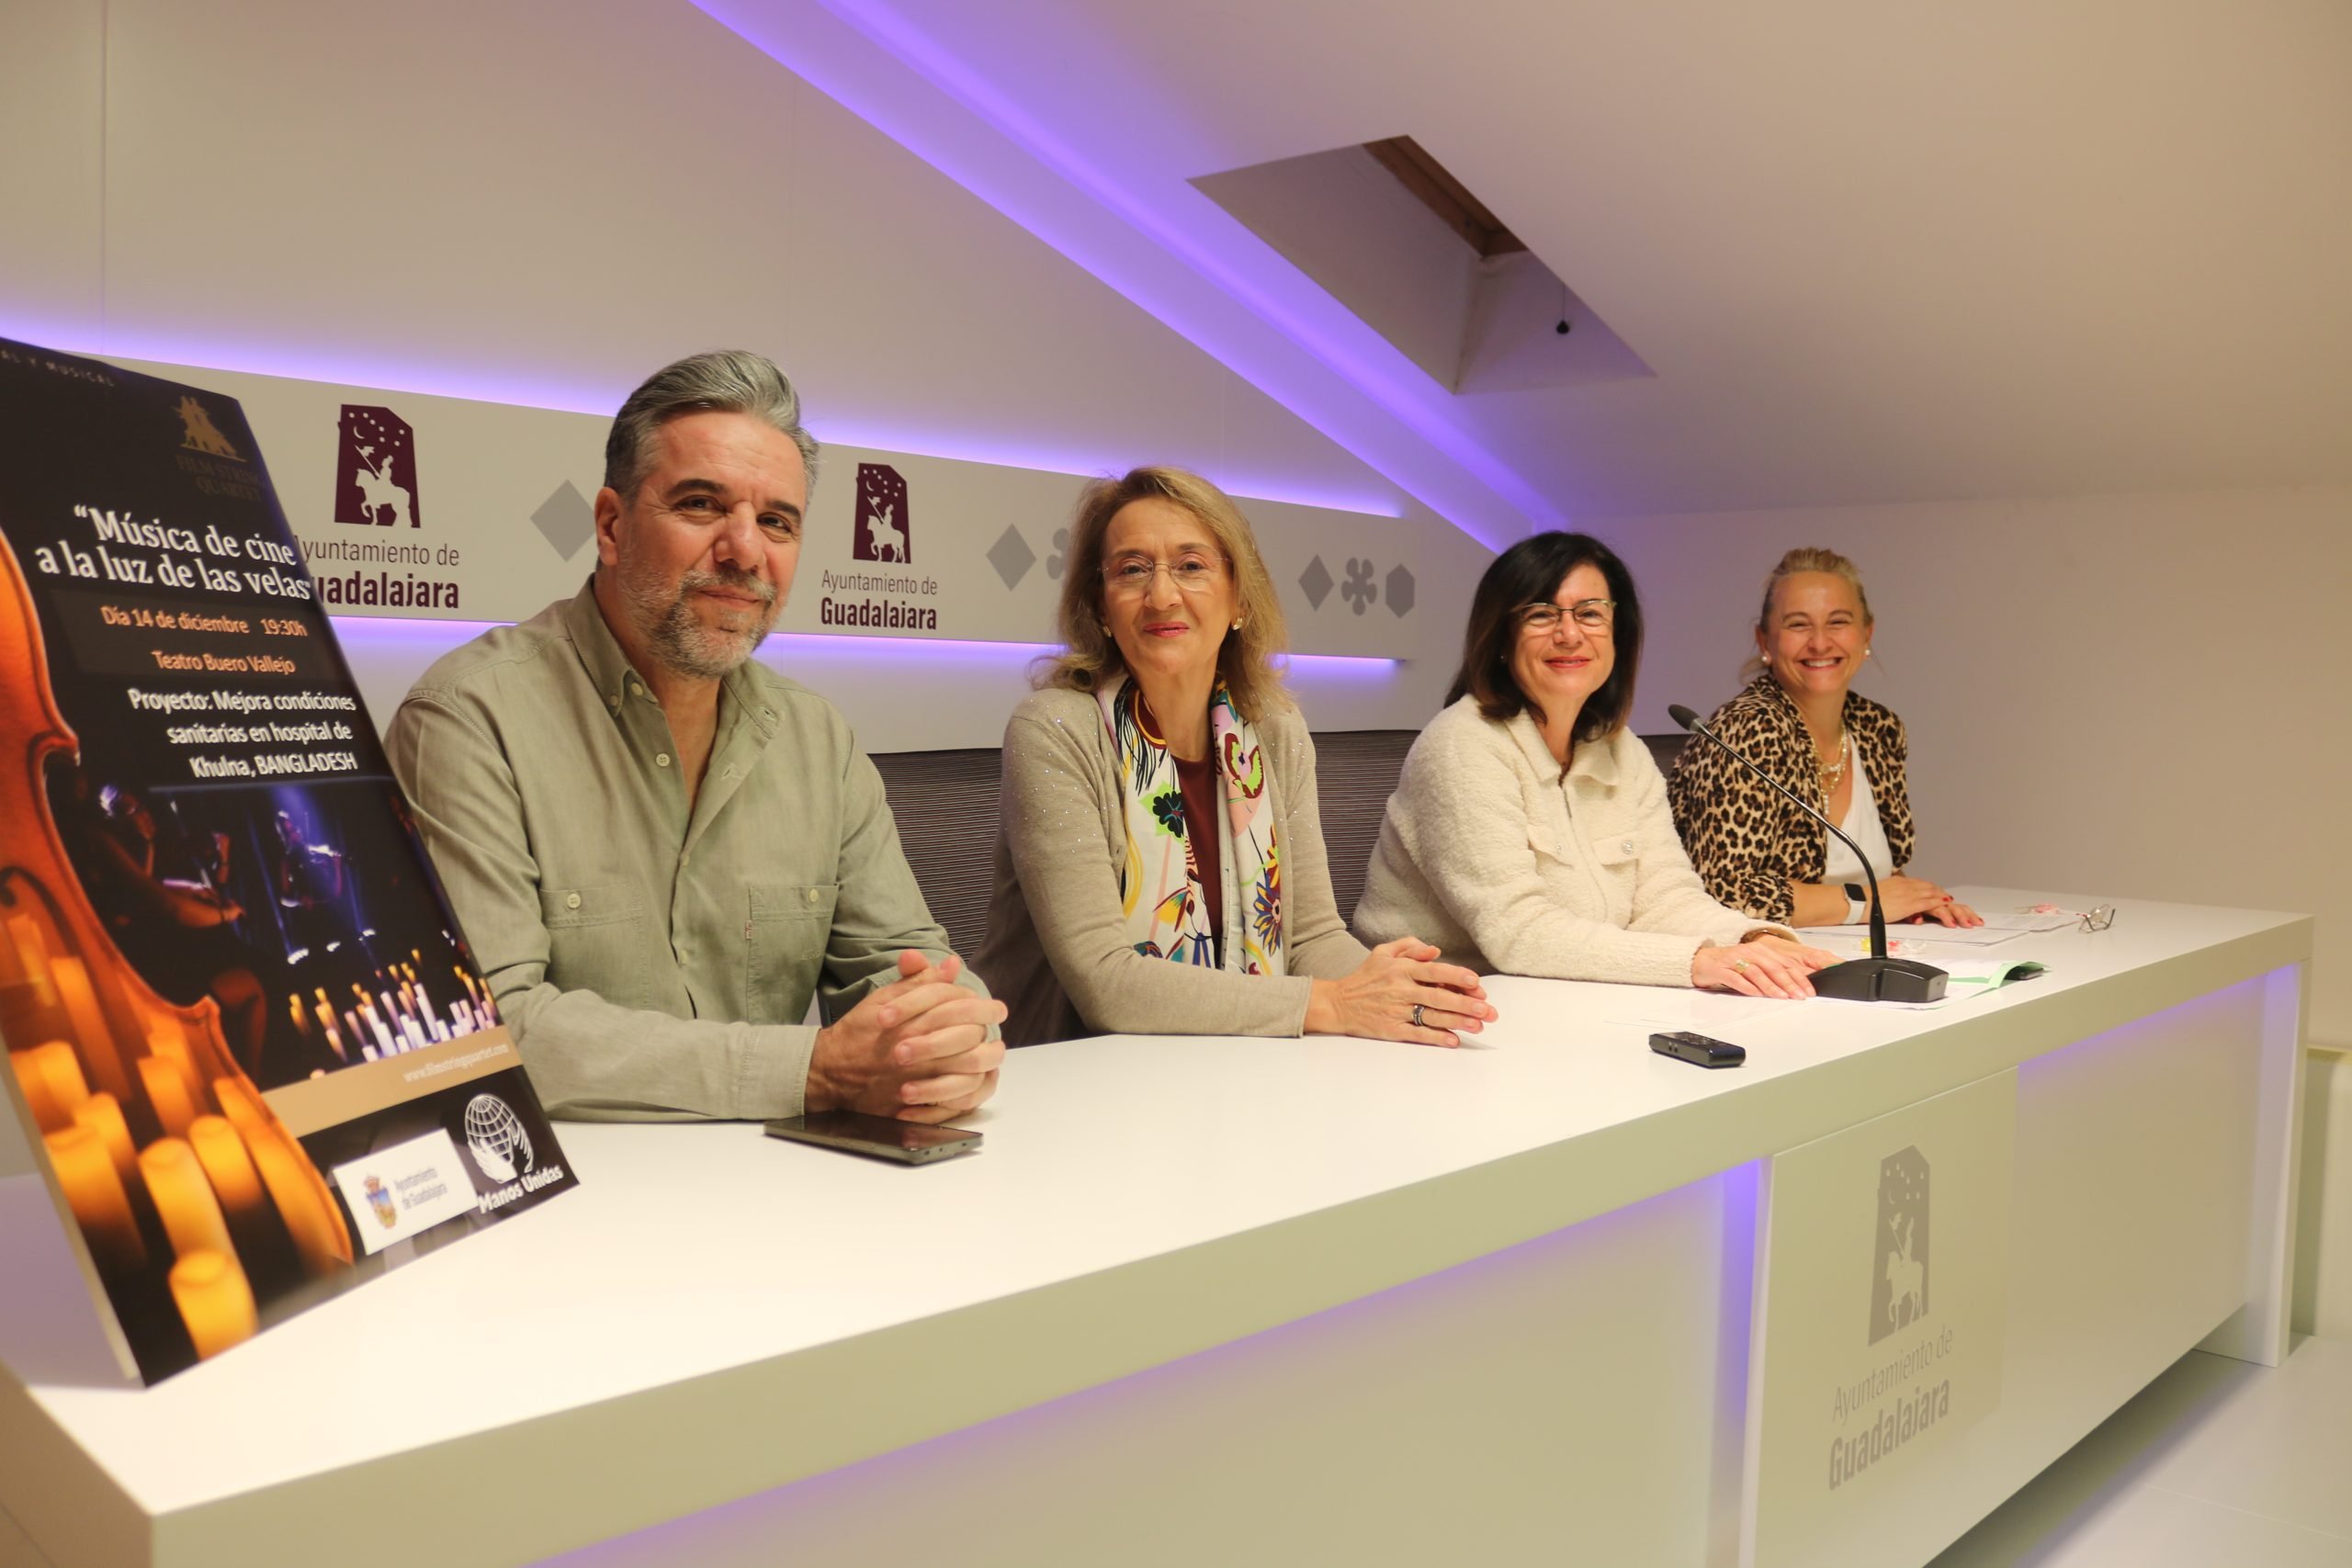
448, 633
512, 391
1392, 392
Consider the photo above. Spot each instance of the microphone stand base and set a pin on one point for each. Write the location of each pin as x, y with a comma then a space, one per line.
1881, 980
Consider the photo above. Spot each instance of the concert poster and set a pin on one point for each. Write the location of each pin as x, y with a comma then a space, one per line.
247, 1040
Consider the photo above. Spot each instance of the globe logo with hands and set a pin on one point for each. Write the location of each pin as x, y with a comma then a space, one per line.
495, 1134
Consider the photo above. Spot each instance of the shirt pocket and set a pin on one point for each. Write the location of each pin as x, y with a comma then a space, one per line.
785, 932
596, 938
1616, 853
1617, 862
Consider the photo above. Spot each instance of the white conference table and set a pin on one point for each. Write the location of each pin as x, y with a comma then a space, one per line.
1230, 1301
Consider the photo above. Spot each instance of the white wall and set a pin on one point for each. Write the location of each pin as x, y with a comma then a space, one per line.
2132, 696
541, 204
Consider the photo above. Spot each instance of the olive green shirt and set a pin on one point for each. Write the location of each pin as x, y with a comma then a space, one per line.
655, 958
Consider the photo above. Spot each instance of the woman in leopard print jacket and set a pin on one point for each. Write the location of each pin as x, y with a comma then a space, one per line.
1799, 721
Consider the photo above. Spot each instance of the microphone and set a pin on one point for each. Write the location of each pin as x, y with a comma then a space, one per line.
1877, 978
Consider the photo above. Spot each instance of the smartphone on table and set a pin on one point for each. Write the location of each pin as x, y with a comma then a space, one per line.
882, 1137
1698, 1050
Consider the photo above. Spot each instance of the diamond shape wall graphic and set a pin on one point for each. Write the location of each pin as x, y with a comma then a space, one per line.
565, 519
1012, 556
1316, 582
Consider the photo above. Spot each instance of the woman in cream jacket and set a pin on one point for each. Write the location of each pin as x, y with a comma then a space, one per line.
1530, 833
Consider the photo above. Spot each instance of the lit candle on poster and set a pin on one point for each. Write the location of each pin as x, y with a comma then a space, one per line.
375, 1022
61, 1074
103, 1115
25, 945
183, 1198
95, 1194
239, 1105
167, 1093
12, 956
215, 1299
301, 1024
46, 1115
226, 1163
28, 1011
73, 979
167, 1040
316, 1233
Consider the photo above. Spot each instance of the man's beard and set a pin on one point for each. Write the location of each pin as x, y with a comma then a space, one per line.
683, 645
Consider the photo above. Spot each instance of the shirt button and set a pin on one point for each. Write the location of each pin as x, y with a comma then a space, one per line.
1629, 846
813, 894
572, 900
662, 759
634, 690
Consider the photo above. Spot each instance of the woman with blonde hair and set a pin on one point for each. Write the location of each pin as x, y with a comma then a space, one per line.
1161, 869
1802, 722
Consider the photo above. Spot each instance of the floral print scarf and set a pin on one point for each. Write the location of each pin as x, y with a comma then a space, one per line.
1159, 881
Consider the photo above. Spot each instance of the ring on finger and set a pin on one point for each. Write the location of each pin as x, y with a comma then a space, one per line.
1417, 1017
1740, 965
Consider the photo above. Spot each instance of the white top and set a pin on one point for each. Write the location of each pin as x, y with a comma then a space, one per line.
681, 1329
1862, 826
1507, 863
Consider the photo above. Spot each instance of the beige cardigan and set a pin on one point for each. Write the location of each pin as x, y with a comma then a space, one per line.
1510, 867
1056, 949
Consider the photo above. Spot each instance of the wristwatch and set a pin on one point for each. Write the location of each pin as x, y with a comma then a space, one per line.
1858, 904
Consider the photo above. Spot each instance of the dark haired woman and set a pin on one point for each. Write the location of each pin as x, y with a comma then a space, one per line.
1530, 833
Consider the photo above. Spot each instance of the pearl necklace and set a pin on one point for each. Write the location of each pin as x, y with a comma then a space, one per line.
1834, 773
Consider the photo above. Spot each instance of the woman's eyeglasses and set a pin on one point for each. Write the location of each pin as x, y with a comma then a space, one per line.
1191, 573
2098, 917
1594, 616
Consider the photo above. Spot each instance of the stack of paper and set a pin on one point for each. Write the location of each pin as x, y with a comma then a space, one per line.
1997, 927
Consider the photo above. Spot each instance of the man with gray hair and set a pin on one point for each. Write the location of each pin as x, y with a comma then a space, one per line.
661, 850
